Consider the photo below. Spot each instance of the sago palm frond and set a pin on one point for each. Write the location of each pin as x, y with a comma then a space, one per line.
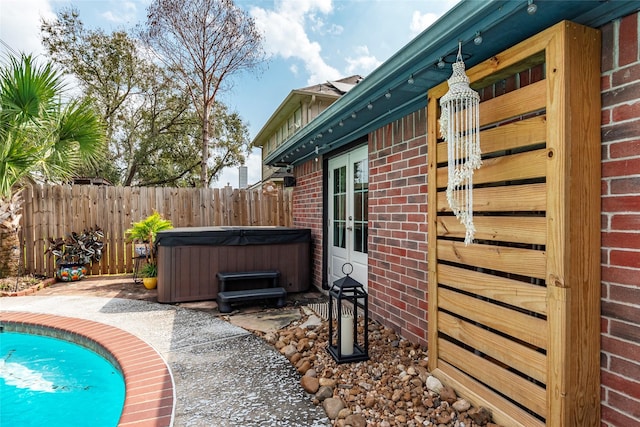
80, 129
28, 90
17, 159
42, 137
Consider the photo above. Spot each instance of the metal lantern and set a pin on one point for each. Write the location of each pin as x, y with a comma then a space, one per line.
347, 301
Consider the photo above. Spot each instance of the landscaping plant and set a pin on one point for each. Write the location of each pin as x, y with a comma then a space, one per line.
78, 248
145, 231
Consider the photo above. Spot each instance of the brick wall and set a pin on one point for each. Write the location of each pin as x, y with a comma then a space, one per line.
307, 211
398, 223
398, 226
620, 356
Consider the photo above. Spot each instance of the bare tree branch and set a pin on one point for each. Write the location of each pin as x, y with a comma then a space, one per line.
205, 42
170, 179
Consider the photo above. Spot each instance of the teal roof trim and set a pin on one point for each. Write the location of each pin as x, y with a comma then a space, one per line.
501, 23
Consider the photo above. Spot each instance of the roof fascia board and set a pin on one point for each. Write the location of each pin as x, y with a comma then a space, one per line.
612, 10
295, 96
399, 111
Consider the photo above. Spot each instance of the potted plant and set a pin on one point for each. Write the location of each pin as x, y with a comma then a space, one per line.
149, 274
75, 251
144, 232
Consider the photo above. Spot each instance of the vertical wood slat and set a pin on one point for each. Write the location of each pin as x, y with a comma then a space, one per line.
144, 203
126, 223
573, 220
105, 216
51, 220
119, 229
113, 247
280, 211
58, 210
243, 208
27, 237
100, 216
285, 212
217, 207
227, 199
236, 210
281, 206
87, 217
37, 202
134, 214
195, 207
164, 203
210, 204
433, 112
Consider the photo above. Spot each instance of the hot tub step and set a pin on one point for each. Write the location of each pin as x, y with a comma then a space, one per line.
225, 298
225, 277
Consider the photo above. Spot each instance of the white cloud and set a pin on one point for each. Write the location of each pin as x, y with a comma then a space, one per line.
420, 22
320, 27
20, 24
301, 8
363, 63
285, 35
335, 30
123, 12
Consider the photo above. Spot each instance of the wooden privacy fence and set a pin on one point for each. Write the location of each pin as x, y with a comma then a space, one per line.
58, 210
514, 318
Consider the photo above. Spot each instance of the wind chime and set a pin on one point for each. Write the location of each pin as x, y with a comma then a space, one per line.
460, 128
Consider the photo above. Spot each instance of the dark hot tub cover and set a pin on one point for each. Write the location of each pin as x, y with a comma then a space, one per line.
232, 236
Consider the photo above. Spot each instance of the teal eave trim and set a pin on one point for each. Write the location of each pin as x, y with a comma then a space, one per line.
501, 23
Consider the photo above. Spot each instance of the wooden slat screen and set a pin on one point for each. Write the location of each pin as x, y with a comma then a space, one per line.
57, 210
502, 320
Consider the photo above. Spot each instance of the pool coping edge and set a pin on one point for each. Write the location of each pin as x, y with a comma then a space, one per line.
149, 386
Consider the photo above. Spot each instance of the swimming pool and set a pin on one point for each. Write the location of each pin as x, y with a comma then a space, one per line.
53, 382
150, 398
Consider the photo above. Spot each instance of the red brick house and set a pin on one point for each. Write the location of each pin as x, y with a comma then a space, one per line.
554, 334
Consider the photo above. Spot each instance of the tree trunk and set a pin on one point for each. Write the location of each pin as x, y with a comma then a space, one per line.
132, 173
204, 179
9, 240
9, 253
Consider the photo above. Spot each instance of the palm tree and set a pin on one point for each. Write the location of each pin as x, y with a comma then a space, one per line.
41, 139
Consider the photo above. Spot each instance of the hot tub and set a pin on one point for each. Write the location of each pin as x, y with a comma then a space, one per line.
189, 258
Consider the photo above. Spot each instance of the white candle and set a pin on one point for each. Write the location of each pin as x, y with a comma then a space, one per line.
346, 335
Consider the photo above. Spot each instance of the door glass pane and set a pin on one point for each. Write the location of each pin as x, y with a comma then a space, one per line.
340, 207
340, 180
360, 205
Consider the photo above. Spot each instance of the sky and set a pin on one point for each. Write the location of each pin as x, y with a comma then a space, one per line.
308, 42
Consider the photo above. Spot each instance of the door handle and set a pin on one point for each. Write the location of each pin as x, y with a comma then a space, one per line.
349, 228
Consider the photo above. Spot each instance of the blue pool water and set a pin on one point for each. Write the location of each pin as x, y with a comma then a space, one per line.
50, 382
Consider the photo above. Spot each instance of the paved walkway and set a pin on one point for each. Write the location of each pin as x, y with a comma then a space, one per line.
224, 375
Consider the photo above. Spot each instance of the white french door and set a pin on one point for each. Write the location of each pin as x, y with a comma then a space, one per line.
348, 227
